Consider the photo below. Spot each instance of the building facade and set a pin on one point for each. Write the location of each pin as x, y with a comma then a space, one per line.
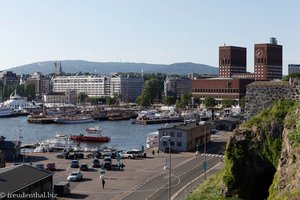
220, 88
9, 78
40, 82
67, 97
185, 137
11, 149
129, 88
268, 61
293, 68
174, 86
232, 60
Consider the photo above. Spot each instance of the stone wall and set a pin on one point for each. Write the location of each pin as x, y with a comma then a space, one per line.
262, 94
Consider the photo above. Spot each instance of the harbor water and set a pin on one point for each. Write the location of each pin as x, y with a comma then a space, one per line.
123, 134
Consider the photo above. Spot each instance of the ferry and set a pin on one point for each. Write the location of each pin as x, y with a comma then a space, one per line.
6, 112
73, 120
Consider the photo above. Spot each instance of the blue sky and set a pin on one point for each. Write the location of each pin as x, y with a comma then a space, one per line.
150, 31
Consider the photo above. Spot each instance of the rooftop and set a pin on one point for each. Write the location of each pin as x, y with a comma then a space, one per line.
17, 177
270, 83
184, 126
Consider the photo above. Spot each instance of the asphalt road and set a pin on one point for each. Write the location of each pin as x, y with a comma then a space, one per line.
157, 188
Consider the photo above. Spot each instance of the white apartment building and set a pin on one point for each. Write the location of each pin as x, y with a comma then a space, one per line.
96, 86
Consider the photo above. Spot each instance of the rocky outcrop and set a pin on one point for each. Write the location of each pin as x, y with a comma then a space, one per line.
286, 183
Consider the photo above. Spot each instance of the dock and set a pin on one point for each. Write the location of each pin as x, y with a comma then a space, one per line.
41, 120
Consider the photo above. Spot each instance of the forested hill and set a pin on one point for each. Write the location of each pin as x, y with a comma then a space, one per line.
74, 66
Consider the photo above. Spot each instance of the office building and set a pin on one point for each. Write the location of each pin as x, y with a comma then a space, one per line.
40, 82
293, 68
9, 78
175, 86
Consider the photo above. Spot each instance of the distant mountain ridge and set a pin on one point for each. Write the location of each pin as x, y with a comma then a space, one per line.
74, 66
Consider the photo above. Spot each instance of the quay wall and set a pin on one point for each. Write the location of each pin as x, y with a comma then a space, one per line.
261, 94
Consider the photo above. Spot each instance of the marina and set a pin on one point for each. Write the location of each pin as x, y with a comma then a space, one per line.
123, 134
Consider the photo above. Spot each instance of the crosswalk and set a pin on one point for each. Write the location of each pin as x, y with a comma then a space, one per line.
213, 155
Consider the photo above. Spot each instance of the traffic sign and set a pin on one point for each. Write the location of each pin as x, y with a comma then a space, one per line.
204, 166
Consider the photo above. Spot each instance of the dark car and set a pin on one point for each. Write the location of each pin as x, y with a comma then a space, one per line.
107, 166
74, 164
84, 167
96, 163
40, 166
78, 155
64, 155
50, 166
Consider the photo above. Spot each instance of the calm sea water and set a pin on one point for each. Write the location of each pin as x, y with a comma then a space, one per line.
123, 134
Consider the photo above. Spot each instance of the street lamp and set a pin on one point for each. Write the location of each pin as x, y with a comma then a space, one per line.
168, 138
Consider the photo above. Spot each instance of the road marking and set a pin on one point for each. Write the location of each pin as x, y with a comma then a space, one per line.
179, 178
181, 189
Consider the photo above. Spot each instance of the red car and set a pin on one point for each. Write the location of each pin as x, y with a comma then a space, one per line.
50, 166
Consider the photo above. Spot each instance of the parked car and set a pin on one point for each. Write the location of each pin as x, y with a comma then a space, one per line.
96, 163
107, 159
75, 176
128, 154
50, 166
78, 155
64, 155
40, 166
107, 166
84, 167
74, 164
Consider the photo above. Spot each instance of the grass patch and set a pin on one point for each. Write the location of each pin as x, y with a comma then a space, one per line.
210, 189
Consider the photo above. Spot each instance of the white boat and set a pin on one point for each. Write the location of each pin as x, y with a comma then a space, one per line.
152, 140
18, 103
6, 112
59, 142
73, 120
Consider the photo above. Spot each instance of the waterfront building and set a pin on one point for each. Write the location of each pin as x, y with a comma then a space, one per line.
9, 78
25, 179
129, 88
176, 86
293, 68
67, 97
94, 86
11, 149
185, 137
40, 82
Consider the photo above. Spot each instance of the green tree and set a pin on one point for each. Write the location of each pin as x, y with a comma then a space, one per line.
227, 103
186, 99
110, 100
243, 102
209, 102
144, 100
169, 100
82, 97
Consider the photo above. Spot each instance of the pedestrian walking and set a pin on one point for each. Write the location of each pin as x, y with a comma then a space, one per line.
153, 152
103, 183
157, 151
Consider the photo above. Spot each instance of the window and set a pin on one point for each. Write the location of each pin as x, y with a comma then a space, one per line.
179, 134
164, 143
172, 143
172, 134
179, 144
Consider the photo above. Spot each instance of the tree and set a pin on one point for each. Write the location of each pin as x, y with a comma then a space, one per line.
144, 100
209, 102
109, 100
82, 97
186, 99
169, 100
227, 103
243, 103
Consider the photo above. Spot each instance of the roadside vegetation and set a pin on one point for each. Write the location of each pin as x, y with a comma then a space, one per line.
252, 156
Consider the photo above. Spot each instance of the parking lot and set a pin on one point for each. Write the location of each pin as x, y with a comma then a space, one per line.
118, 182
